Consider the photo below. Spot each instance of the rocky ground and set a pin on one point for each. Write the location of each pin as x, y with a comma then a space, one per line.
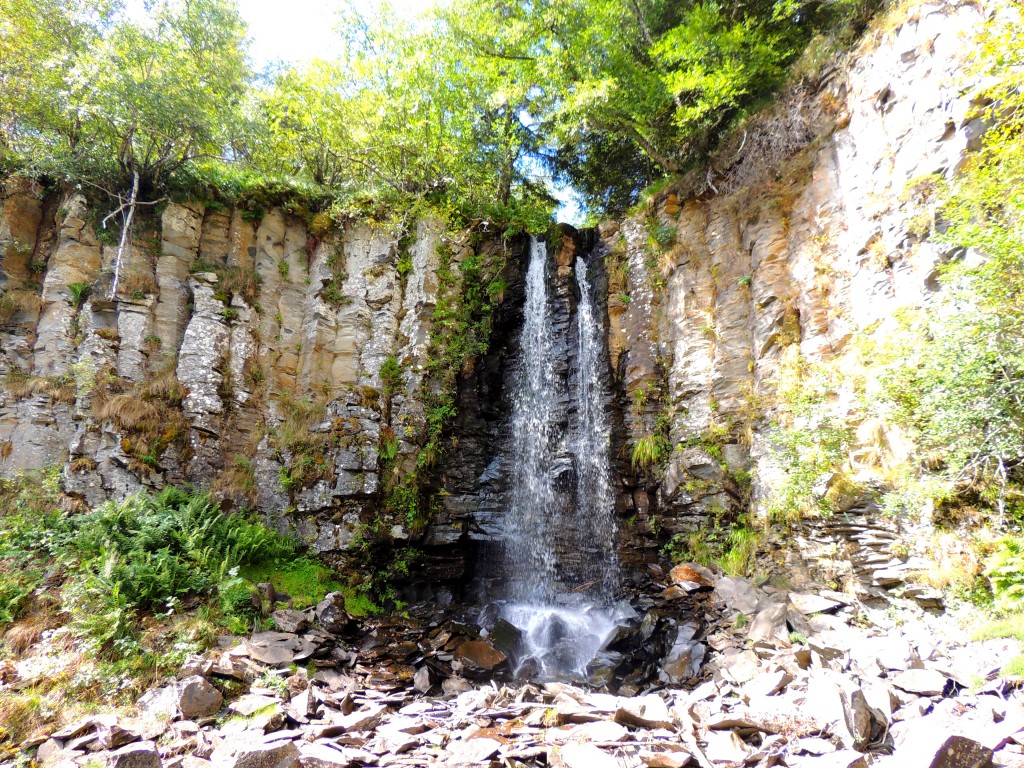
794, 679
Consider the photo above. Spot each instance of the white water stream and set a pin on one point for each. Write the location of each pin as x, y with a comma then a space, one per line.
563, 626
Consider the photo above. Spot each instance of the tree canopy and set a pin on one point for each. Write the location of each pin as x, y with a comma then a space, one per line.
467, 104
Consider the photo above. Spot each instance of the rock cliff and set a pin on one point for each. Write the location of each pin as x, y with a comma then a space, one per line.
295, 366
800, 240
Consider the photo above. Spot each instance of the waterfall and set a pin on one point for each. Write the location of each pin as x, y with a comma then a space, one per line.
530, 517
594, 502
559, 542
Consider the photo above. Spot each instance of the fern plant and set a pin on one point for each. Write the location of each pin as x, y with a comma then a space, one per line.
1005, 571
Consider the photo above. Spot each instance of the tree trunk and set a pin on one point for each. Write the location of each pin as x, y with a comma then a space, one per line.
126, 233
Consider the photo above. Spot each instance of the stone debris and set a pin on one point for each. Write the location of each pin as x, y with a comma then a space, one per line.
853, 692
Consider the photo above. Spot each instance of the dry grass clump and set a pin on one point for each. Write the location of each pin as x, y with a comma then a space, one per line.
22, 386
240, 282
138, 285
954, 561
129, 411
148, 413
26, 633
16, 300
237, 480
21, 715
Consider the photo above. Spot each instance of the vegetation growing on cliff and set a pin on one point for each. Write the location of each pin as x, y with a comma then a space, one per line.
954, 381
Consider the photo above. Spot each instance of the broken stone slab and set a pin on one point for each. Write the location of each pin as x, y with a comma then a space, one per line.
580, 756
141, 755
328, 755
83, 726
242, 753
725, 747
737, 594
600, 731
237, 668
929, 750
473, 750
843, 758
665, 759
113, 736
739, 666
648, 711
692, 577
769, 625
365, 719
421, 681
479, 656
924, 682
768, 683
279, 648
195, 664
252, 703
809, 604
290, 620
812, 745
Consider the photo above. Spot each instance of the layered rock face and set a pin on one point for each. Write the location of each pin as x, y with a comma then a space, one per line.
801, 252
239, 354
272, 363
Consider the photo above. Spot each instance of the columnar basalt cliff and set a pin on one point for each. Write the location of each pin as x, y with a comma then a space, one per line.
288, 366
249, 356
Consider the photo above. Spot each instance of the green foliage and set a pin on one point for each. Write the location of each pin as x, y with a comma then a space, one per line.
627, 92
391, 373
141, 556
79, 293
307, 581
1004, 569
649, 451
460, 107
809, 441
731, 546
958, 383
93, 92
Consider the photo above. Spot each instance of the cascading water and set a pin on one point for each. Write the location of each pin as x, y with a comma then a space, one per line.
565, 611
530, 517
595, 507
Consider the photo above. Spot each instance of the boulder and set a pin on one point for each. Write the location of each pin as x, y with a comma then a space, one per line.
479, 655
331, 615
197, 698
